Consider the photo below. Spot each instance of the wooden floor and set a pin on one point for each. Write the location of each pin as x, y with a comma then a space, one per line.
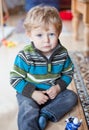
67, 40
77, 112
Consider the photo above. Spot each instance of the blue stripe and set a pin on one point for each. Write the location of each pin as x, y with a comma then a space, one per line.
38, 70
21, 63
43, 69
20, 86
57, 68
68, 61
67, 79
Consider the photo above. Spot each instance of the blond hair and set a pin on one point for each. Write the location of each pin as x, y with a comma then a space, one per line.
43, 16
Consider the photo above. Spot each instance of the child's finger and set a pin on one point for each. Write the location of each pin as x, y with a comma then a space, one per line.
44, 92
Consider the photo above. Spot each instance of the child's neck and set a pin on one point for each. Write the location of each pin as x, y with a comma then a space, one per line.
48, 54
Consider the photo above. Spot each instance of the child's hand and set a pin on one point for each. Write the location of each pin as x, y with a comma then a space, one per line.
40, 97
53, 91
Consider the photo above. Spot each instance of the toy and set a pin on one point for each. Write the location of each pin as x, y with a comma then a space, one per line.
73, 123
66, 15
8, 43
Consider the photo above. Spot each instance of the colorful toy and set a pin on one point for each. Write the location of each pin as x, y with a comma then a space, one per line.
8, 43
73, 123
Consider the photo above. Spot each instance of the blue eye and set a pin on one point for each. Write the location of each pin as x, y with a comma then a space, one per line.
39, 35
51, 34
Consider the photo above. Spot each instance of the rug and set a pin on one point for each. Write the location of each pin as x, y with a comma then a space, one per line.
81, 79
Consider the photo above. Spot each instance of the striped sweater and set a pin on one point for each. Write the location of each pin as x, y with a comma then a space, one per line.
33, 71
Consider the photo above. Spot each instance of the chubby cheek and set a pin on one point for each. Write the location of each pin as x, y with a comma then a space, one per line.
38, 45
54, 44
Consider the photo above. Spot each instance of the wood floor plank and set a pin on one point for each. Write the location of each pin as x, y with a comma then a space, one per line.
77, 111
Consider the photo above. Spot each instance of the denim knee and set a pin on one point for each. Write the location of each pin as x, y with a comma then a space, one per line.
62, 104
72, 98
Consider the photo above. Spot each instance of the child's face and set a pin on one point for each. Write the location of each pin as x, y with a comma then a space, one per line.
44, 39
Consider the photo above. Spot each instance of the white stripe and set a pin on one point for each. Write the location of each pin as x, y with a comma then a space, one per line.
58, 61
67, 70
40, 80
15, 81
18, 73
21, 55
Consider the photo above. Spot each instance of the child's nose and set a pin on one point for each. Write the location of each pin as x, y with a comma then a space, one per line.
46, 39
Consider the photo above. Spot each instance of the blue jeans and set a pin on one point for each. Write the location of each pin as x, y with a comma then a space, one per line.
29, 110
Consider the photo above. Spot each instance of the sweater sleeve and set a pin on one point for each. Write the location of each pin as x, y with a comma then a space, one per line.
66, 74
18, 75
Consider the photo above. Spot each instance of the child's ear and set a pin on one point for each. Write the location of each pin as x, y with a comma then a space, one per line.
28, 34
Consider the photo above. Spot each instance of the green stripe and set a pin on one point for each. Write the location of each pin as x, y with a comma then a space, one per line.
49, 67
45, 76
19, 70
29, 48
